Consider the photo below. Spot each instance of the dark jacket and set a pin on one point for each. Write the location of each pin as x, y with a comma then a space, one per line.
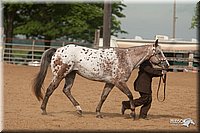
145, 75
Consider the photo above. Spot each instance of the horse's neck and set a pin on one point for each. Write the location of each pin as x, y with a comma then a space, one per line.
139, 54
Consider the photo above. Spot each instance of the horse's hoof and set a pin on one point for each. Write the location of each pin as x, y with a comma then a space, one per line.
44, 113
79, 112
99, 116
132, 115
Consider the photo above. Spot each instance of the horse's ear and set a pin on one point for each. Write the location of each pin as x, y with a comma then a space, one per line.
156, 43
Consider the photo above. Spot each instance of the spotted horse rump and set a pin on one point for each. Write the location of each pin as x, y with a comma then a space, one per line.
112, 66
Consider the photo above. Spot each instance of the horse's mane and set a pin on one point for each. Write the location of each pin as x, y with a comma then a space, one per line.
117, 47
135, 46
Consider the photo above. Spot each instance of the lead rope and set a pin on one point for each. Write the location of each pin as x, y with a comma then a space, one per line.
164, 77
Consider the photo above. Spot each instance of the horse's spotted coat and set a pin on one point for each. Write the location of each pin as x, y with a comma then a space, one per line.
108, 65
90, 63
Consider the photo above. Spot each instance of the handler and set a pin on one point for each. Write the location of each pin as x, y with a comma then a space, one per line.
143, 85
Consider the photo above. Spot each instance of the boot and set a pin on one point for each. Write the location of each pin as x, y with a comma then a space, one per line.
142, 116
123, 109
132, 115
125, 105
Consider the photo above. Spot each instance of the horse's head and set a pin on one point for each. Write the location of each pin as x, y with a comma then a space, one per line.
157, 57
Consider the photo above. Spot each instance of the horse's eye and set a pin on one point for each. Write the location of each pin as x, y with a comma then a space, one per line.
154, 50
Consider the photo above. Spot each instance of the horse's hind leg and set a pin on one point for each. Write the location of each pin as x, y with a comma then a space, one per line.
107, 88
53, 85
69, 80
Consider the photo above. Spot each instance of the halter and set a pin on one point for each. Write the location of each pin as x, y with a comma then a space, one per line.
159, 59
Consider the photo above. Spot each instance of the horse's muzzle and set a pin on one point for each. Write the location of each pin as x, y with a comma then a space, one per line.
165, 64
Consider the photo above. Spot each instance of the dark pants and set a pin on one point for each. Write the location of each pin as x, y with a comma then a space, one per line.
144, 99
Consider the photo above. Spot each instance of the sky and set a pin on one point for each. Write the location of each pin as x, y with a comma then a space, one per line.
147, 19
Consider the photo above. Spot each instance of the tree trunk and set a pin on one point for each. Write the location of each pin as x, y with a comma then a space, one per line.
107, 23
9, 34
47, 42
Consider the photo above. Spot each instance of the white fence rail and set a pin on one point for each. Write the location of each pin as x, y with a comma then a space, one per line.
22, 53
28, 53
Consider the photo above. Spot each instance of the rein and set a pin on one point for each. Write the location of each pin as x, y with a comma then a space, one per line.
164, 77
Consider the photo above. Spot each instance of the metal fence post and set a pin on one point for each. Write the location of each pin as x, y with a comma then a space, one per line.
33, 46
96, 38
191, 59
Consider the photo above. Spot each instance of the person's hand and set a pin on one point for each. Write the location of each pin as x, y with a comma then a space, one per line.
164, 72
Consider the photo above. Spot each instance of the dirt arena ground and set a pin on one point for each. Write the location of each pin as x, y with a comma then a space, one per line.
22, 110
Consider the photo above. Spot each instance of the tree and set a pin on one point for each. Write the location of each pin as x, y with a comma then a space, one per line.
196, 17
9, 17
11, 20
51, 20
117, 9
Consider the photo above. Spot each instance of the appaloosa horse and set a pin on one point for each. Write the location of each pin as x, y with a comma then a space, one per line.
112, 66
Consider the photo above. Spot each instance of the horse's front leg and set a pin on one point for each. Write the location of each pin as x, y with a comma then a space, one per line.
107, 88
124, 88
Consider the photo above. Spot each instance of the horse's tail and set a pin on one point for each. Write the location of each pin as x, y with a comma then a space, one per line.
39, 79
